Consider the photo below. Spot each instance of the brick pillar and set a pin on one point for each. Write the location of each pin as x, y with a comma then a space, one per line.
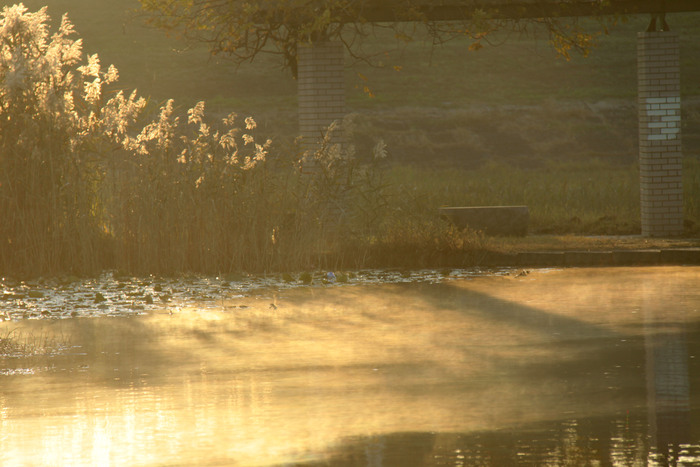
660, 154
321, 90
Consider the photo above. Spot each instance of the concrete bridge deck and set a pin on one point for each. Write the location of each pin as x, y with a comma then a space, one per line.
515, 9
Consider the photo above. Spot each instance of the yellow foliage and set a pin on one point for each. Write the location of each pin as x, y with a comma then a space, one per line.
474, 46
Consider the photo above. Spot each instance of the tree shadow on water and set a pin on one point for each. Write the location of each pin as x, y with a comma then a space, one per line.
498, 311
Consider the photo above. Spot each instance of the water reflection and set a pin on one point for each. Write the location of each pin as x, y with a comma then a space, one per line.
668, 382
567, 367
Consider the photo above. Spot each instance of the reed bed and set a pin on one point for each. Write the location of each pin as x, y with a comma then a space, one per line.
91, 178
17, 344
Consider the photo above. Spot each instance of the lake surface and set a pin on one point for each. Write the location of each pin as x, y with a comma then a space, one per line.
543, 367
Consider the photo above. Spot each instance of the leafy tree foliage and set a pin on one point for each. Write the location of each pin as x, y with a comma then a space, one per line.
245, 28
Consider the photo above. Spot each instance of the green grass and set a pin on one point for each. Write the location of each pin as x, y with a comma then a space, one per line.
591, 197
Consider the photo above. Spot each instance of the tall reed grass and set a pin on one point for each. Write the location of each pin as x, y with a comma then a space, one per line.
56, 128
90, 181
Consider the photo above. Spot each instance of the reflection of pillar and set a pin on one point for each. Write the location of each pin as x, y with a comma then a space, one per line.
668, 386
660, 154
374, 451
321, 89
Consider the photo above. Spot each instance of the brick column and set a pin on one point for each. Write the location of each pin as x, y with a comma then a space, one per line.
321, 90
660, 154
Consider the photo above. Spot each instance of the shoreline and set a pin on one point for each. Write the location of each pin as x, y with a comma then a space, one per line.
606, 258
586, 251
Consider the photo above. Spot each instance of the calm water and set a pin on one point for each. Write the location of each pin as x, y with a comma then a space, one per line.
553, 367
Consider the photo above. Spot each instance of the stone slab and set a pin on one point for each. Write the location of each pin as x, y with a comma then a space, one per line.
680, 256
636, 257
499, 259
542, 259
589, 258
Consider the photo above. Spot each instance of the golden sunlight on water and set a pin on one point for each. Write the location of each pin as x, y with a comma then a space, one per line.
247, 383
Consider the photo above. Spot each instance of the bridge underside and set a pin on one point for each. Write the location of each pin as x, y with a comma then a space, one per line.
523, 9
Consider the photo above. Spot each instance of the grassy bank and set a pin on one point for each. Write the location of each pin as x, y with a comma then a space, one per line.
588, 198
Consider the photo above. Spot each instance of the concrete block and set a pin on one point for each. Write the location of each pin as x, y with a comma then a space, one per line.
636, 257
589, 258
542, 259
495, 259
680, 256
